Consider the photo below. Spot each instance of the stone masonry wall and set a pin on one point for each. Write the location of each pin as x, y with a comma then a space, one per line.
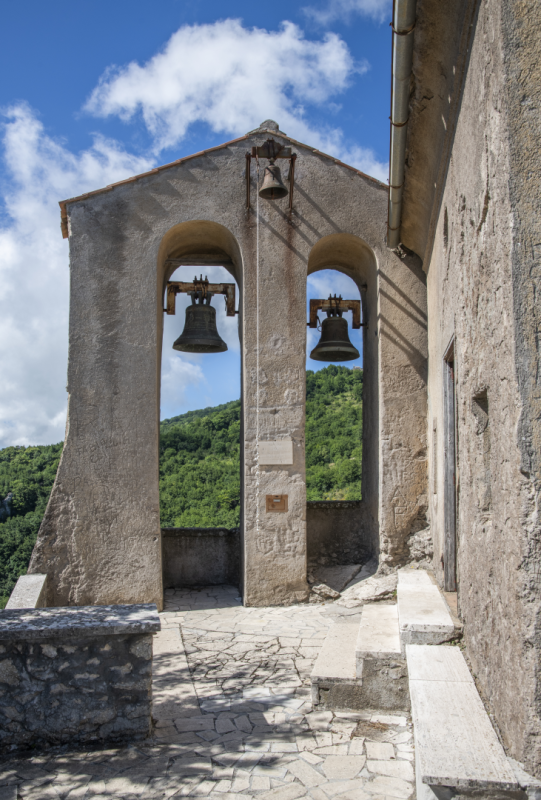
60, 683
474, 295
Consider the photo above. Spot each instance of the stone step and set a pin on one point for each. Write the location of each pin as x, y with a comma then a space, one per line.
334, 676
455, 744
380, 665
423, 614
360, 665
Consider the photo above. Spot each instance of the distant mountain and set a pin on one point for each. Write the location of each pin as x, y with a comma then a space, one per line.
199, 466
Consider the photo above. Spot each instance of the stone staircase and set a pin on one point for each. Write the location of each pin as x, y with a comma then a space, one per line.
395, 659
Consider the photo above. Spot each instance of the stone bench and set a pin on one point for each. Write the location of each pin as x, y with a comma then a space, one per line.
78, 674
455, 744
423, 615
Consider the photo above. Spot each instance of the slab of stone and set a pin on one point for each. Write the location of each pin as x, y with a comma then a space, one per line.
78, 621
343, 767
378, 635
414, 577
429, 663
379, 750
30, 592
455, 743
336, 659
8, 792
422, 612
337, 577
367, 588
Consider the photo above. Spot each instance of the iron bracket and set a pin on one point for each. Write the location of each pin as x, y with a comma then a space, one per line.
336, 304
205, 289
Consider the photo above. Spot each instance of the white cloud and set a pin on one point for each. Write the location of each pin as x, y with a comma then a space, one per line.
231, 78
34, 269
227, 76
343, 10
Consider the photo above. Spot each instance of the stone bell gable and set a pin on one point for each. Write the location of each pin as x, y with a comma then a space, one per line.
100, 540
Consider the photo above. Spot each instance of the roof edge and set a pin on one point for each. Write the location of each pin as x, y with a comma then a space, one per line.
111, 186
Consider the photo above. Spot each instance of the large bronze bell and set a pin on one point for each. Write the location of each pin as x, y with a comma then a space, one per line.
272, 187
334, 344
200, 334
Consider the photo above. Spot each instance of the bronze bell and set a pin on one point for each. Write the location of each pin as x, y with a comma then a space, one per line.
334, 344
200, 334
272, 187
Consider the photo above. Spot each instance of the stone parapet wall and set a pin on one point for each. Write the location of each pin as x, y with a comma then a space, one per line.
338, 532
76, 675
200, 556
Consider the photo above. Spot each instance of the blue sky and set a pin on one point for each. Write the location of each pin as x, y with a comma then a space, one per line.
95, 92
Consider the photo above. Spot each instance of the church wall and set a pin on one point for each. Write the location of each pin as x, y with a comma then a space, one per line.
472, 296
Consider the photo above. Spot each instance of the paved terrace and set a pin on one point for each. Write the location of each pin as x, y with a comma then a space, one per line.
234, 719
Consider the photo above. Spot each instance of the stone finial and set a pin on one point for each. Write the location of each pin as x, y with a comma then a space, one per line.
268, 125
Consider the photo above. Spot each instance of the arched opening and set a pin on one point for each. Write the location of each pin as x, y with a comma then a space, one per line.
200, 432
342, 413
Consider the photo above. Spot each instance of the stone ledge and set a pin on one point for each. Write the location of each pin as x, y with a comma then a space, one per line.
78, 621
334, 503
200, 532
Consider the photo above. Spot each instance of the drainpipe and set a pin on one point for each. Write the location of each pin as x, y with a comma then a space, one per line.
403, 25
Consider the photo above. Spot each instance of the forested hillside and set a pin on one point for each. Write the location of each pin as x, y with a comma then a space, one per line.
199, 466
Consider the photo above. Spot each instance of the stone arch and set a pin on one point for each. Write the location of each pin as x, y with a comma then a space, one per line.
351, 255
199, 240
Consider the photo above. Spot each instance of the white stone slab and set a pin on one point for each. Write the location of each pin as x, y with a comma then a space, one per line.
378, 635
423, 615
429, 663
29, 592
414, 577
336, 659
173, 692
277, 452
454, 740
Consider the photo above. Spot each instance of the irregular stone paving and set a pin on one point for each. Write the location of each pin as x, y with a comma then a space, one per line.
242, 726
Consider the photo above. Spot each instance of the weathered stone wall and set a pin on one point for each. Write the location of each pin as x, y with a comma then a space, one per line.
200, 556
481, 291
100, 538
337, 532
75, 675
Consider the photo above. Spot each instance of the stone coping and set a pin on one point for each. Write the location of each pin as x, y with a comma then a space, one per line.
200, 531
334, 503
78, 621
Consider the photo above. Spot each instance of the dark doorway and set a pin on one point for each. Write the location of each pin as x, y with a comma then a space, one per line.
449, 455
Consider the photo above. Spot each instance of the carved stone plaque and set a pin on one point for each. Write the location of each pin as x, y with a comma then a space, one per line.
277, 452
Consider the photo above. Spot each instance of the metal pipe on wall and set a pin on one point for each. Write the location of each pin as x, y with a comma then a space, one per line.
403, 26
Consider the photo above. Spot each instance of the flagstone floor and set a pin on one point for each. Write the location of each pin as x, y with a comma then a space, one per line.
234, 719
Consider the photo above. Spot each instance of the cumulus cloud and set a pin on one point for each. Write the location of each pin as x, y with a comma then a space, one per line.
231, 78
344, 10
227, 76
38, 172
